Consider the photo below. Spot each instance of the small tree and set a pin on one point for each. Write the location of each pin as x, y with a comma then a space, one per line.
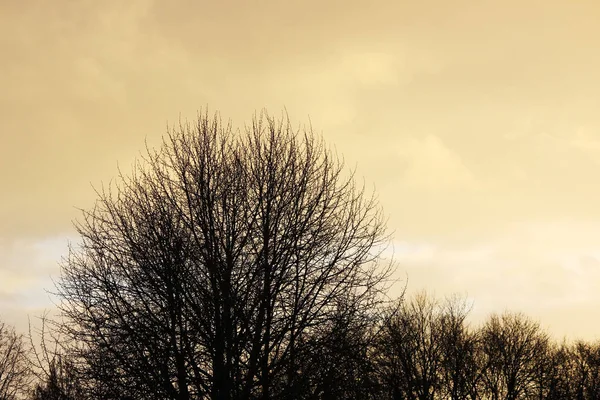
585, 370
410, 349
60, 383
461, 369
513, 349
56, 372
337, 362
206, 271
559, 381
15, 376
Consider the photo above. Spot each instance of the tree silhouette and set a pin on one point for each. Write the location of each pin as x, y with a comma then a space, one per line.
585, 370
513, 348
337, 364
15, 376
410, 349
214, 267
61, 382
460, 366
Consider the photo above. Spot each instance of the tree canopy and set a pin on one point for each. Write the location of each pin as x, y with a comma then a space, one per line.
221, 263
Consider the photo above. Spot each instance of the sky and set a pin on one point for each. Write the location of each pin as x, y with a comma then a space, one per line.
476, 122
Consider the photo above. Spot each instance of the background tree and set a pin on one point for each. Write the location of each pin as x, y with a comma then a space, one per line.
585, 370
512, 348
207, 271
410, 349
61, 382
56, 373
560, 377
460, 364
337, 363
15, 376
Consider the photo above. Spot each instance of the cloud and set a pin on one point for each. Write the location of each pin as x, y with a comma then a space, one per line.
28, 268
432, 166
531, 267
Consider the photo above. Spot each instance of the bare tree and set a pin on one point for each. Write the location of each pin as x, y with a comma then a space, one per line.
461, 369
15, 376
205, 272
61, 382
512, 348
56, 372
338, 363
585, 370
558, 382
410, 349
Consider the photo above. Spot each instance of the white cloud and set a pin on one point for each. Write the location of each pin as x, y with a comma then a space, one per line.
28, 268
530, 267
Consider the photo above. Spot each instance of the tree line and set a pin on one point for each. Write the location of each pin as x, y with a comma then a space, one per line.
419, 349
249, 264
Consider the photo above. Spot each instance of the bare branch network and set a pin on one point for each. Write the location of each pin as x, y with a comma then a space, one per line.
219, 265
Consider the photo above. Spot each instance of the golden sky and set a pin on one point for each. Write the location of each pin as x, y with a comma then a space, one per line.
477, 122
